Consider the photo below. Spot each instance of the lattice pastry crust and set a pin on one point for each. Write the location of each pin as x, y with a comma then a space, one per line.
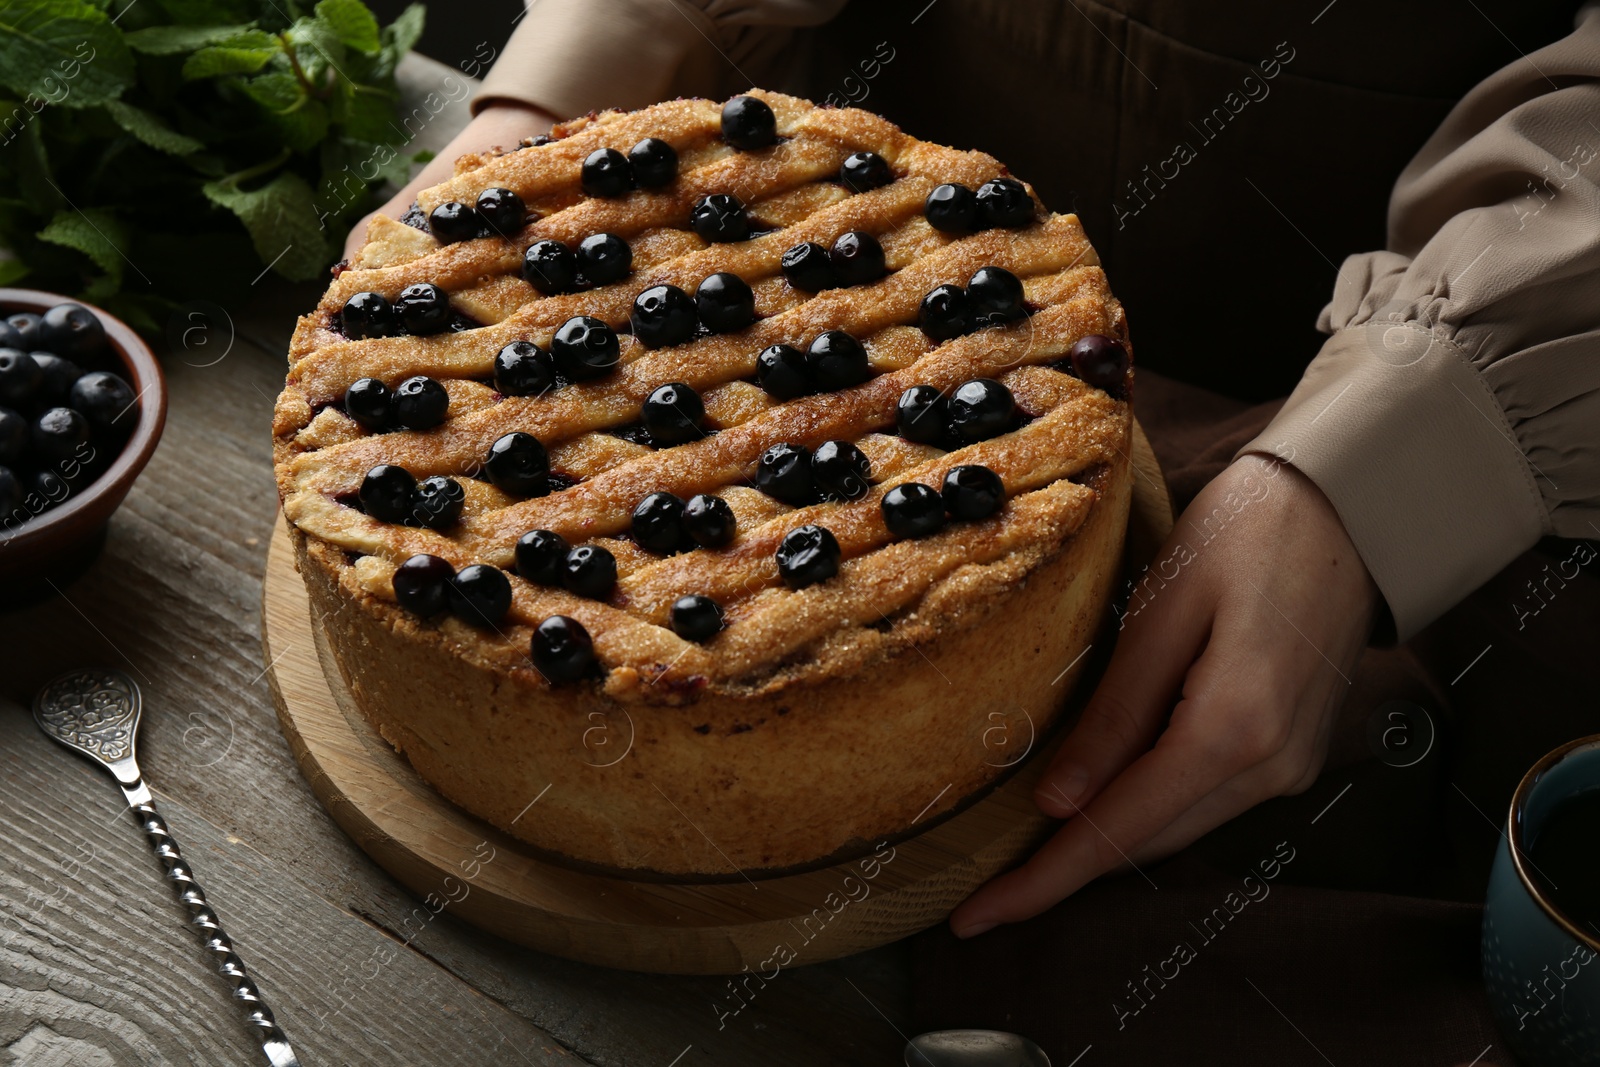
704, 716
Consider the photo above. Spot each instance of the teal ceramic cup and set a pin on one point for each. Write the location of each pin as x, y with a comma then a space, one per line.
1541, 967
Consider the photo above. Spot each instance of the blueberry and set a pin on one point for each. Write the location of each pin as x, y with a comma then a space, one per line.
655, 163
71, 330
11, 495
807, 266
807, 555
420, 403
437, 502
10, 337
562, 649
841, 470
709, 520
368, 315
973, 491
720, 218
996, 295
550, 267
370, 403
502, 211
452, 221
911, 509
20, 376
386, 493
673, 414
784, 472
952, 209
589, 571
748, 124
49, 487
696, 617
542, 556
585, 347
946, 312
106, 401
13, 439
1004, 202
26, 323
980, 409
857, 258
921, 415
781, 371
518, 464
479, 594
836, 360
58, 434
522, 368
604, 258
1100, 361
606, 172
863, 171
423, 308
658, 525
725, 303
663, 315
56, 376
421, 583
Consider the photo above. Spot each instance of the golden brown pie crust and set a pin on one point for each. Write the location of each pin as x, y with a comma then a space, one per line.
821, 718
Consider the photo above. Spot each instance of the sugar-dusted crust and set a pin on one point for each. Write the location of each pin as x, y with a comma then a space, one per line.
819, 717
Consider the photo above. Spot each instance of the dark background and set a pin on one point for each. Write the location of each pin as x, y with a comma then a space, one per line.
1225, 268
454, 30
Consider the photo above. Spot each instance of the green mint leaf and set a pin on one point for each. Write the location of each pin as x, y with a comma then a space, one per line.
65, 51
281, 217
301, 120
12, 270
243, 53
365, 113
95, 232
174, 40
405, 31
25, 156
352, 23
151, 130
318, 50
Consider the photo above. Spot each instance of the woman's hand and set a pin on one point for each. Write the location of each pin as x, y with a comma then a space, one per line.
499, 125
1235, 654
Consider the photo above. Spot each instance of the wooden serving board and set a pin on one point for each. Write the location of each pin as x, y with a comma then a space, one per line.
455, 861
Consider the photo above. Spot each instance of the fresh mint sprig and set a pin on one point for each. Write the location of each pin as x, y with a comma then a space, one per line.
159, 151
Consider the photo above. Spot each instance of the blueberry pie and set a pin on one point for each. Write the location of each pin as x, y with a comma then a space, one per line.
737, 480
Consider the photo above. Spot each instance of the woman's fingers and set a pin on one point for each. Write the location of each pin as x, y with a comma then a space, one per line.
1140, 803
1130, 705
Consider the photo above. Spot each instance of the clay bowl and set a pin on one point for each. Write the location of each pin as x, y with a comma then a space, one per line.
39, 555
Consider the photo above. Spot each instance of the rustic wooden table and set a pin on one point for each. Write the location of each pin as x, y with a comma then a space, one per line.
96, 967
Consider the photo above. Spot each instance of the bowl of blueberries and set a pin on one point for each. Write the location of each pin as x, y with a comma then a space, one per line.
82, 403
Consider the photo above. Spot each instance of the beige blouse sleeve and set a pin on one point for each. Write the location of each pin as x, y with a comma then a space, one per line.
1453, 417
570, 57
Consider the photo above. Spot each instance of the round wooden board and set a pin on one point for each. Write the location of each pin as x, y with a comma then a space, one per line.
456, 861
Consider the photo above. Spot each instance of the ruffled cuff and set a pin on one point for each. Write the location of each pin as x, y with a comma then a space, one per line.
1403, 435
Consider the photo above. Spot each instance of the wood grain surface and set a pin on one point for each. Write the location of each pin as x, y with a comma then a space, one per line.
760, 926
95, 967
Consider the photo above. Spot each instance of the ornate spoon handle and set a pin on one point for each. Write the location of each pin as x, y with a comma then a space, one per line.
209, 929
96, 713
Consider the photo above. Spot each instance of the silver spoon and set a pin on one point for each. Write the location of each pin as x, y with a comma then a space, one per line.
96, 713
973, 1048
